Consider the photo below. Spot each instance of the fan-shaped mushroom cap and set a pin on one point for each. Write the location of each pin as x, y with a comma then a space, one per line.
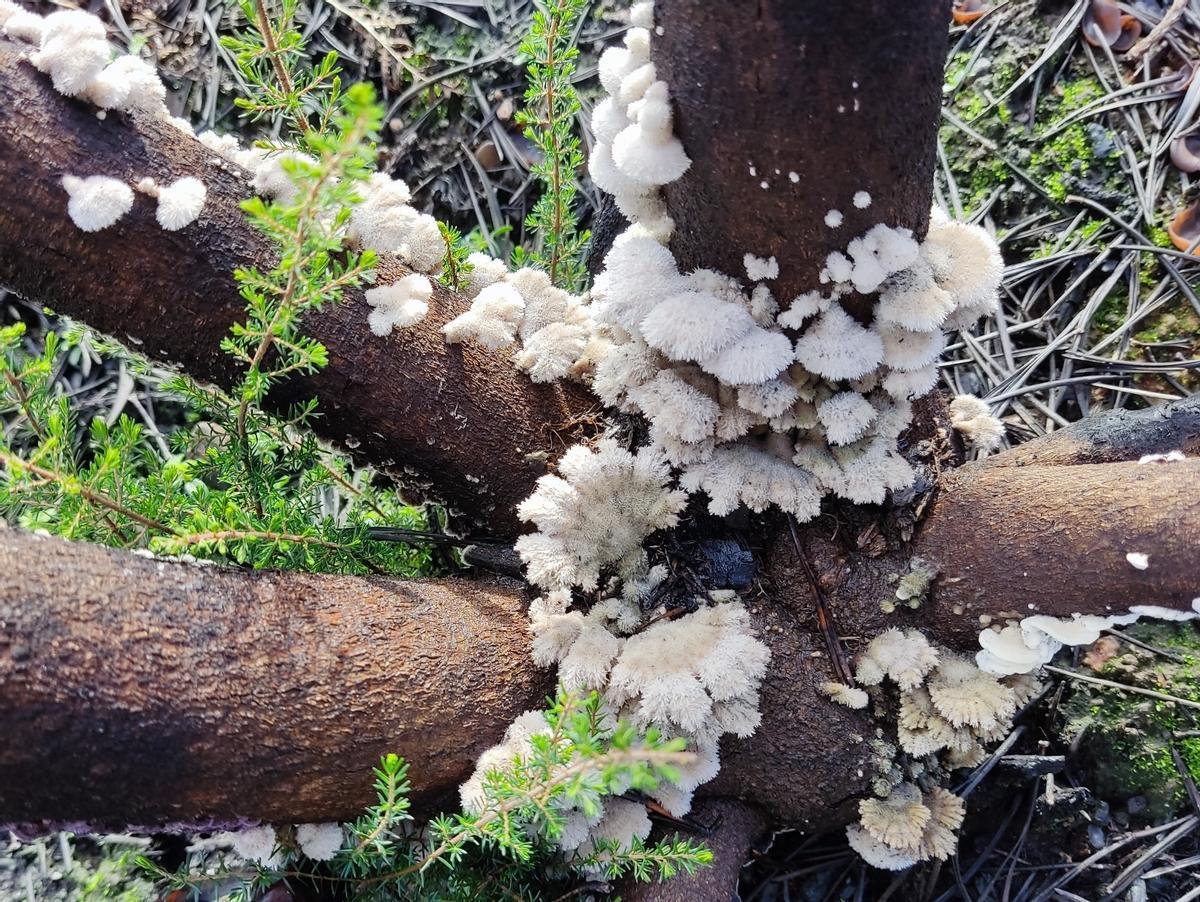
1131, 30
1101, 24
1082, 629
940, 839
1184, 229
1185, 153
1008, 651
693, 325
899, 820
877, 854
967, 11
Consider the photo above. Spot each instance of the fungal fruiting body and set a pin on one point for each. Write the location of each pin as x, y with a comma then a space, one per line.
97, 201
973, 418
320, 842
272, 174
255, 844
595, 514
180, 203
696, 676
131, 84
948, 709
752, 400
399, 305
385, 222
758, 269
73, 50
516, 741
1024, 647
850, 696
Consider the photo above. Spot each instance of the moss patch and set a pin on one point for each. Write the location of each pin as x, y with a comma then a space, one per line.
1124, 740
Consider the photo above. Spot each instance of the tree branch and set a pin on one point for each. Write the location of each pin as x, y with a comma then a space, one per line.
734, 828
845, 95
1113, 437
175, 692
1053, 540
136, 691
455, 420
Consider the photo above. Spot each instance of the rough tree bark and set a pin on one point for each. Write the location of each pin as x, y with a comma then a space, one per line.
1119, 435
803, 766
128, 686
843, 94
455, 419
731, 830
112, 665
1053, 540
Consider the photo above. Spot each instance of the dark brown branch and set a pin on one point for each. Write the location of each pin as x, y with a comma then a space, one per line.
174, 692
766, 89
457, 419
1053, 540
734, 828
134, 691
1116, 436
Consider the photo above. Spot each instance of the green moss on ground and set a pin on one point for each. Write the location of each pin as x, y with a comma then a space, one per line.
1123, 740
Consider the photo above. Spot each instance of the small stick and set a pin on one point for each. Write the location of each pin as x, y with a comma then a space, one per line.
1070, 674
1165, 24
824, 615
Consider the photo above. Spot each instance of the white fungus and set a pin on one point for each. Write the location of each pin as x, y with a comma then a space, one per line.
845, 417
273, 180
484, 271
879, 253
904, 386
967, 264
384, 222
550, 352
837, 347
399, 305
131, 84
756, 357
850, 696
912, 299
1168, 458
1011, 651
320, 842
594, 514
646, 151
22, 25
641, 15
694, 326
255, 844
752, 417
73, 50
96, 202
909, 351
180, 203
973, 418
676, 406
1139, 560
876, 853
493, 319
758, 269
734, 475
903, 656
516, 742
698, 674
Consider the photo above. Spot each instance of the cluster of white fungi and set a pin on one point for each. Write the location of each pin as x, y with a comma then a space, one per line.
749, 402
